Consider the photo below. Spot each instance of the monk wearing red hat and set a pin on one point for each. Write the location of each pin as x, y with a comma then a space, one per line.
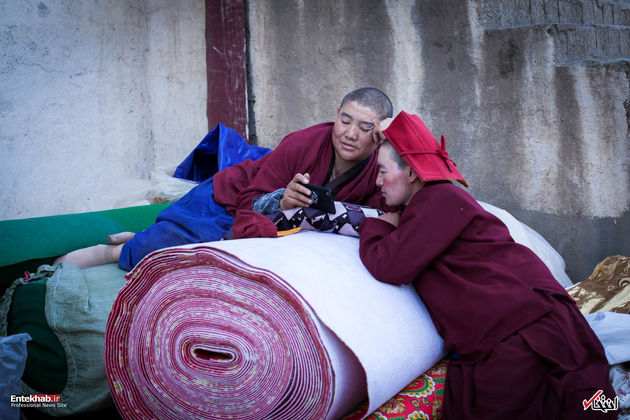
519, 346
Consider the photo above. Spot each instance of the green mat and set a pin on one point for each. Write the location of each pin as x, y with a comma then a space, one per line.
28, 243
66, 359
65, 310
47, 371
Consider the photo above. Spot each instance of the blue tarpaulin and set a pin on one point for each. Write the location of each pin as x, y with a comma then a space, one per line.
195, 217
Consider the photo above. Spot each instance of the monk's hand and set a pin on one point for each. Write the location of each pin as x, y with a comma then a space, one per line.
377, 133
296, 194
392, 218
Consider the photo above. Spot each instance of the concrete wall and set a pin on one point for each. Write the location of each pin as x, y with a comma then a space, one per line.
93, 96
533, 97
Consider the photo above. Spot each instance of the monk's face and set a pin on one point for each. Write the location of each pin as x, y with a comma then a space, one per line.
396, 183
353, 134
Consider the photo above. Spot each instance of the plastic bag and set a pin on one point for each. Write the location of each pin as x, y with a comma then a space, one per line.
164, 188
12, 362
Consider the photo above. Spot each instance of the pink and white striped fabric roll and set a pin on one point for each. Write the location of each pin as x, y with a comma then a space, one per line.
200, 332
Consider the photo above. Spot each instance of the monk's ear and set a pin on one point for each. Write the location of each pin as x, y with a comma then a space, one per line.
412, 176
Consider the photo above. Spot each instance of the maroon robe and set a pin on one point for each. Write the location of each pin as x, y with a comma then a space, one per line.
306, 151
521, 347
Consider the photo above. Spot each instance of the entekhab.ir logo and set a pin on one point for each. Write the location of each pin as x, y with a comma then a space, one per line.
37, 401
600, 402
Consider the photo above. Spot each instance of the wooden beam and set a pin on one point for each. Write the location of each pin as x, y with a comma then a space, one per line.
225, 63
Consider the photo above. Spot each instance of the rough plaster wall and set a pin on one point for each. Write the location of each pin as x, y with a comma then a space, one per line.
556, 87
177, 77
532, 95
94, 95
304, 55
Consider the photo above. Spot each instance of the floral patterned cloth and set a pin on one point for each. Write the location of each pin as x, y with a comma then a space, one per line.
421, 399
620, 377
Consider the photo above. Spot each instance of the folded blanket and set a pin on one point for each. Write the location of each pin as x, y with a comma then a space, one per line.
606, 289
290, 327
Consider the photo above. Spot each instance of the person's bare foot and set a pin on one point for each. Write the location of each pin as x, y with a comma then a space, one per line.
120, 238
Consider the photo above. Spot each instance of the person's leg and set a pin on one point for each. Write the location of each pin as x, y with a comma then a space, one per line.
564, 338
97, 254
194, 218
545, 370
91, 256
507, 384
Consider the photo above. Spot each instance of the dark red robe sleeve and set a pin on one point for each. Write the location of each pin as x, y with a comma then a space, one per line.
231, 181
398, 255
305, 151
477, 283
298, 152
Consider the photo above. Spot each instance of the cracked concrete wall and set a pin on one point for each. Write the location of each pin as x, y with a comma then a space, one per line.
533, 97
94, 96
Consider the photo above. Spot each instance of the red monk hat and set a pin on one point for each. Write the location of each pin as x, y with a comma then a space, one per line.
415, 143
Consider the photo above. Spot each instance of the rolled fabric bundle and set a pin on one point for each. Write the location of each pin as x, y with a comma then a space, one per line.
215, 349
262, 328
